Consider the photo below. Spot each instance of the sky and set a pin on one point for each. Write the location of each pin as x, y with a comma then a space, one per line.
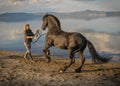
34, 6
110, 42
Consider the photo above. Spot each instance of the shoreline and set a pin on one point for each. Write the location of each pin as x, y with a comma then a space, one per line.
114, 59
15, 71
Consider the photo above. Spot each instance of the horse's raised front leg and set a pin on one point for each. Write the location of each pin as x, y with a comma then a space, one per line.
82, 61
47, 52
72, 60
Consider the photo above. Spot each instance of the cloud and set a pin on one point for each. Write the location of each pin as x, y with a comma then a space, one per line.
27, 5
33, 1
58, 5
84, 0
104, 41
18, 0
13, 34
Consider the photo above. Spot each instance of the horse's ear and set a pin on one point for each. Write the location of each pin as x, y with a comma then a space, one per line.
46, 15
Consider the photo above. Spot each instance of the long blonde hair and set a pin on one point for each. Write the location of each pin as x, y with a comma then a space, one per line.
27, 26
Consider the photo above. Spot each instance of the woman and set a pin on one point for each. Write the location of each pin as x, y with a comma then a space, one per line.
28, 39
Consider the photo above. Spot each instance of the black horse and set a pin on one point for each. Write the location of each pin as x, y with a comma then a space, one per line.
74, 42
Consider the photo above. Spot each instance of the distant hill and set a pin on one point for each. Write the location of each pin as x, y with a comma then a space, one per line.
86, 15
19, 17
113, 14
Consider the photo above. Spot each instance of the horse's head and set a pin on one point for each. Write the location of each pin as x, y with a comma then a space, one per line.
50, 21
45, 22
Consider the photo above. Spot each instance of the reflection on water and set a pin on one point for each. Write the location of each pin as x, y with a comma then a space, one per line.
104, 33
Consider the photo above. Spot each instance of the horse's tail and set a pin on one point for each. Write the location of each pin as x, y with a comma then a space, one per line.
96, 58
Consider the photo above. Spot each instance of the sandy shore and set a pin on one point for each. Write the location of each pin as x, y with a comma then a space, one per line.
15, 71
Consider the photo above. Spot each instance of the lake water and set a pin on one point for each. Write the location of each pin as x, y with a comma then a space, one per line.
104, 33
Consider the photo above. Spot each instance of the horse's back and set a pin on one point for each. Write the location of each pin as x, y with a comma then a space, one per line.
66, 40
77, 38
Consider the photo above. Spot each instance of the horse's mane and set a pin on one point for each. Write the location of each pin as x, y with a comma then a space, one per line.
56, 19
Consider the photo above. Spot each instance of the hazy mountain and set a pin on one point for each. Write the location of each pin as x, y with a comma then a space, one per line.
87, 15
113, 14
19, 17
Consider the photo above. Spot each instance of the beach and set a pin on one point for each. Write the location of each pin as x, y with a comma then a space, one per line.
15, 71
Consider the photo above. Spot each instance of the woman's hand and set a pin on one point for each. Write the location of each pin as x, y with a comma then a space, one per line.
29, 36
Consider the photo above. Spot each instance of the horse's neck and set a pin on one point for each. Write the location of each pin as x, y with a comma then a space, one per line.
54, 31
53, 26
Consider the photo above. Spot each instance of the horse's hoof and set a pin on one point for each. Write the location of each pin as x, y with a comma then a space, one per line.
77, 70
48, 60
31, 60
61, 71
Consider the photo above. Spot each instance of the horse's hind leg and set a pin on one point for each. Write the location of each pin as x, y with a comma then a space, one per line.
72, 60
82, 61
47, 52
